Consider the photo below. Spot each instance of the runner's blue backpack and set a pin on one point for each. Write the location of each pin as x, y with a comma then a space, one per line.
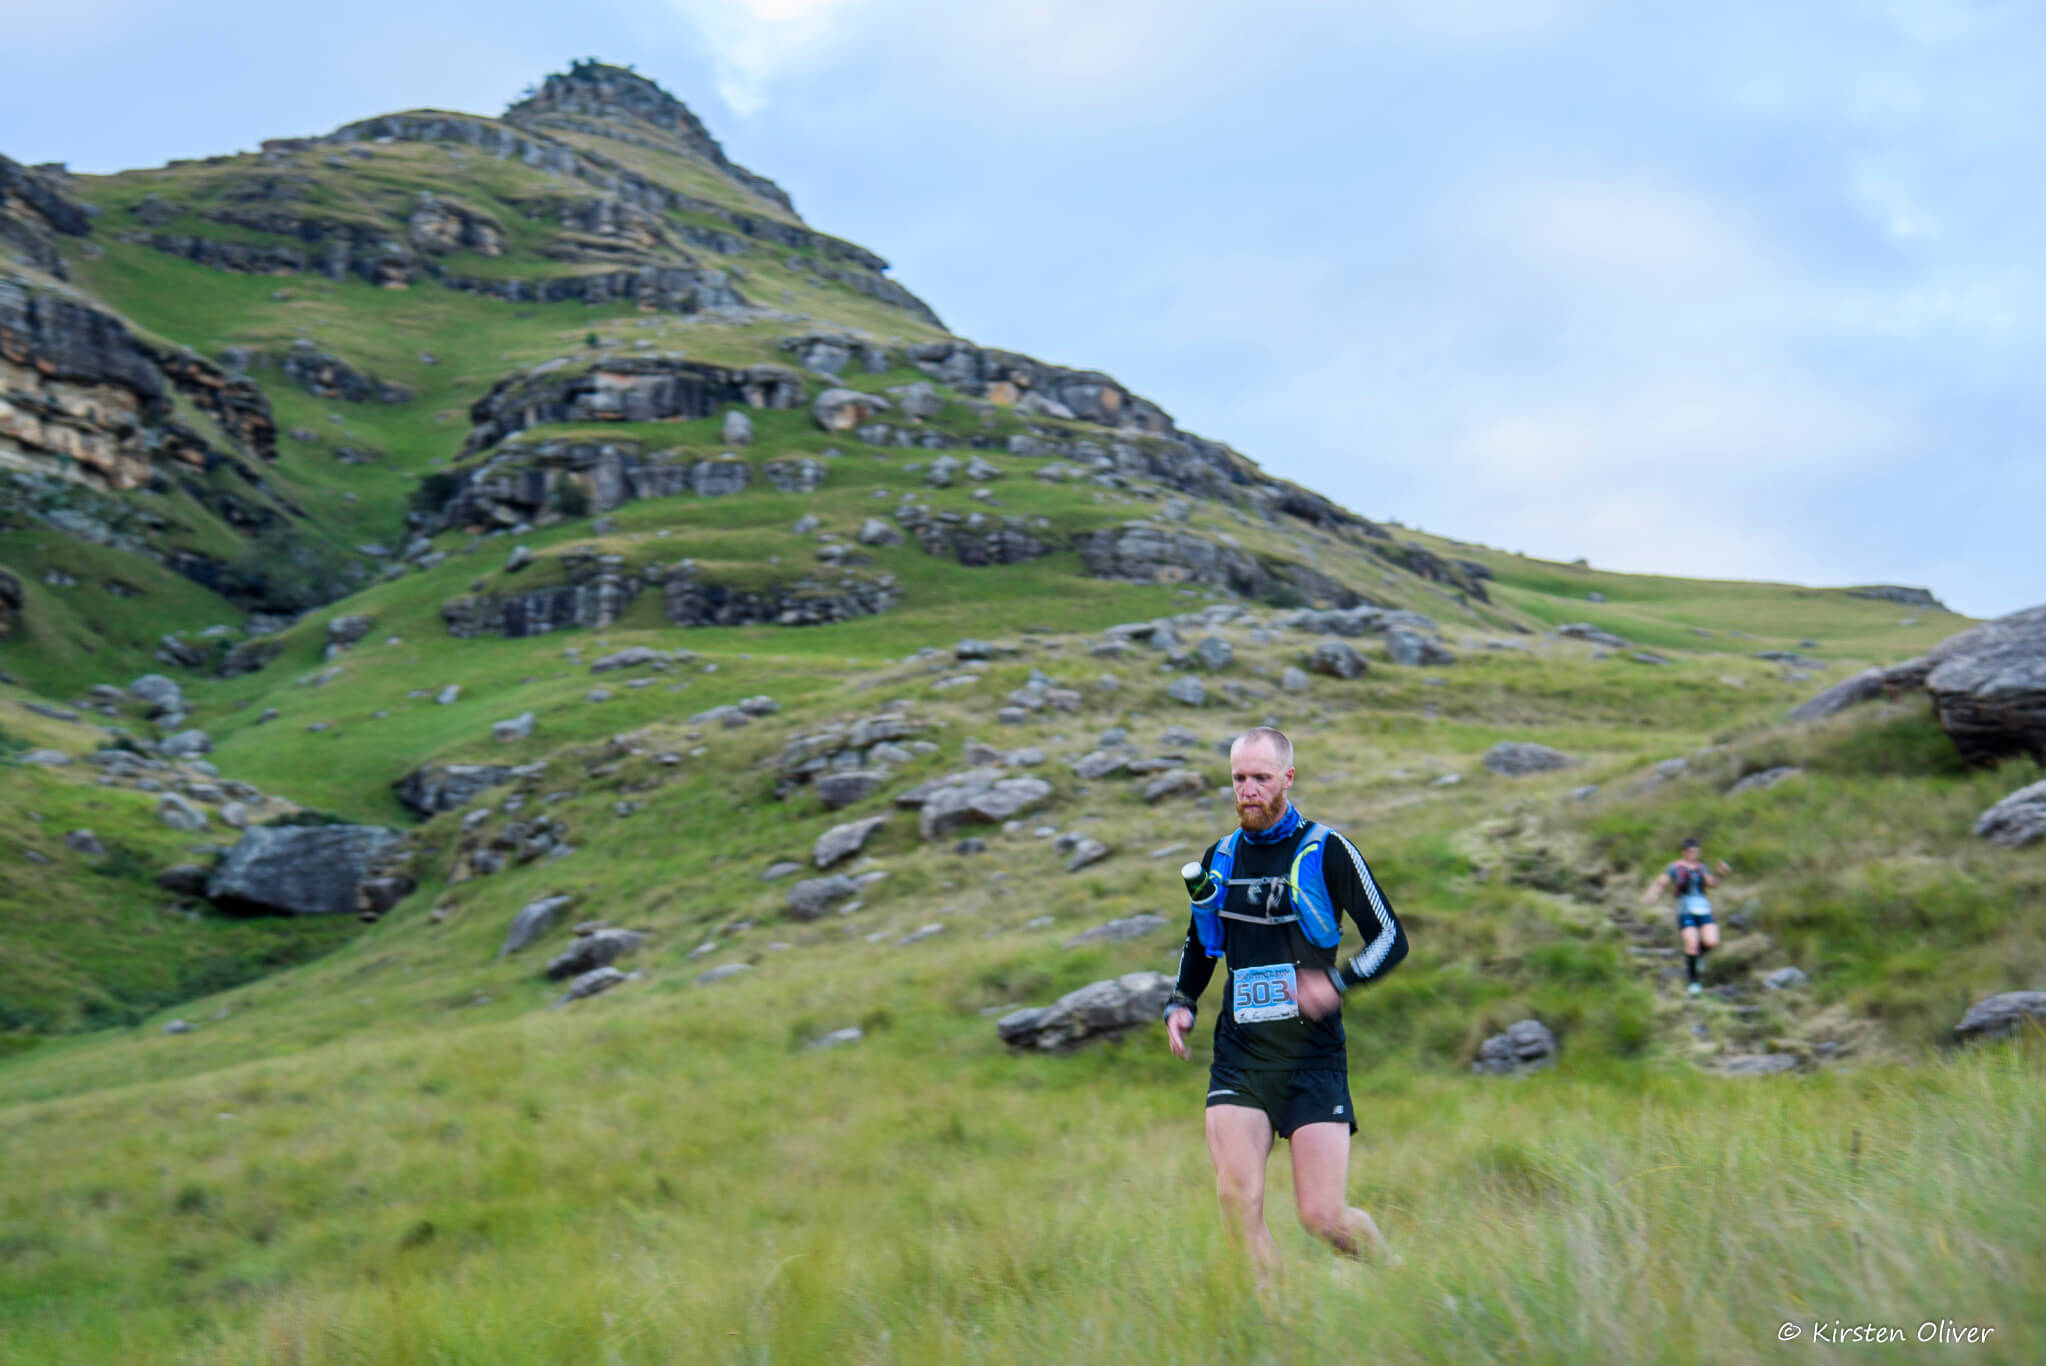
1310, 892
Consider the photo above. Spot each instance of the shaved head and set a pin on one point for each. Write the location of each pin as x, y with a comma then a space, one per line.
1282, 748
1261, 774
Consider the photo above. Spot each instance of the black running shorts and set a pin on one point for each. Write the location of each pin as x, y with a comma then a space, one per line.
1289, 1099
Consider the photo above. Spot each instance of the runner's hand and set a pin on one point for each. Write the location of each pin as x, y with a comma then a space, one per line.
1317, 996
1176, 1025
1724, 868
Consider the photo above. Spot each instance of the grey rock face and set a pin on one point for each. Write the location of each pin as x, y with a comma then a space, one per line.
1755, 782
1988, 687
1518, 758
1121, 930
1526, 1046
534, 919
1097, 1010
180, 814
594, 950
841, 842
2017, 820
812, 897
300, 870
345, 632
719, 478
798, 474
2001, 1014
738, 428
1337, 659
843, 789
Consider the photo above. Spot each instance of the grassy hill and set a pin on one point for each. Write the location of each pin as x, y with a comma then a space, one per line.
379, 1143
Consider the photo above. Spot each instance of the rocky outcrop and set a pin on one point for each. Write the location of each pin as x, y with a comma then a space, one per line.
828, 353
624, 389
599, 589
324, 375
309, 870
440, 225
34, 211
2017, 820
1145, 553
1865, 686
1098, 1010
1988, 687
434, 788
532, 483
973, 539
1526, 1046
686, 288
1903, 597
1466, 576
1518, 758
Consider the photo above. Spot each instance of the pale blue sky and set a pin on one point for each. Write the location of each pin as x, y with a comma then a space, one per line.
1746, 290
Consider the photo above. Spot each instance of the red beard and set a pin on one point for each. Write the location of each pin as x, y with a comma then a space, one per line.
1253, 816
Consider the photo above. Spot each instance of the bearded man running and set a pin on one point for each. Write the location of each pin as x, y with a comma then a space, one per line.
1270, 896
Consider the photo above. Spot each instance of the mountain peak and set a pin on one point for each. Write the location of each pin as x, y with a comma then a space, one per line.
617, 102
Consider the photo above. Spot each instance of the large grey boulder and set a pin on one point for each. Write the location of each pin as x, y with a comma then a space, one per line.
1411, 649
2017, 820
1988, 687
738, 428
520, 727
1176, 782
597, 949
841, 410
876, 532
1526, 1046
1337, 659
812, 897
1518, 758
180, 814
534, 919
1085, 853
1214, 653
1099, 763
2002, 1014
841, 842
1097, 1010
187, 744
300, 869
594, 983
1188, 692
719, 478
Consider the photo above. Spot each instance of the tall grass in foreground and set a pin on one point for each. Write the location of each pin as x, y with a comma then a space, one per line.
448, 1205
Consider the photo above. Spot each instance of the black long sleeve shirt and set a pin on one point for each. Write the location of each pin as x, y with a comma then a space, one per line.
1270, 1039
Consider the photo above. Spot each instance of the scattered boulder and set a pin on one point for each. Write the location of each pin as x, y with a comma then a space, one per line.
723, 972
520, 727
534, 919
842, 410
1214, 653
47, 758
301, 869
1337, 659
1293, 679
1097, 1010
345, 632
876, 532
2017, 820
986, 800
843, 789
1175, 782
161, 695
1410, 649
1518, 758
738, 428
1526, 1046
1120, 930
187, 745
2005, 1013
780, 869
1760, 1065
85, 842
1785, 979
1865, 686
1768, 777
178, 1027
837, 1037
841, 842
1584, 630
1099, 763
592, 983
590, 951
434, 788
1086, 851
180, 814
1187, 692
632, 657
812, 897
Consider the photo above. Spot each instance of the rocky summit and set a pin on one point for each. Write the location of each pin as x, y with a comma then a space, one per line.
560, 730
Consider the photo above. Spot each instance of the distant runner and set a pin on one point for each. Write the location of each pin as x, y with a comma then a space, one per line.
1270, 896
1687, 880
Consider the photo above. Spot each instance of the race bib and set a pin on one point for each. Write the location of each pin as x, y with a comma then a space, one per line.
1267, 993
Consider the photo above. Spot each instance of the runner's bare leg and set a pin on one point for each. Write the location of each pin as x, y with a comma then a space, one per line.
1239, 1142
1321, 1174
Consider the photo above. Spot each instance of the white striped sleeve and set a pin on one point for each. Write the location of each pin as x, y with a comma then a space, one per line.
1381, 938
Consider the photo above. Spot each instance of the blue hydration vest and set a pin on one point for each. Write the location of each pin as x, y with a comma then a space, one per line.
1317, 918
